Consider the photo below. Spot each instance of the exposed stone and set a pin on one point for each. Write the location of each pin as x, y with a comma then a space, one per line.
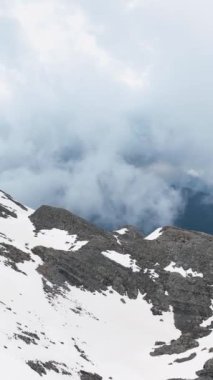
6, 213
184, 343
189, 295
47, 217
13, 256
89, 376
7, 196
42, 367
37, 367
185, 359
207, 372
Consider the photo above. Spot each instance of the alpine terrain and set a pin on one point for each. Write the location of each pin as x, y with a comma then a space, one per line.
80, 303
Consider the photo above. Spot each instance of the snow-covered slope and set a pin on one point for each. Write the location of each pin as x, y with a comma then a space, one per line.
79, 303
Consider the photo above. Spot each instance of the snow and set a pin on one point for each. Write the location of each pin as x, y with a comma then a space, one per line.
155, 234
208, 321
188, 369
122, 231
25, 297
57, 239
11, 205
20, 232
152, 274
124, 260
189, 272
13, 368
117, 337
124, 335
118, 241
78, 245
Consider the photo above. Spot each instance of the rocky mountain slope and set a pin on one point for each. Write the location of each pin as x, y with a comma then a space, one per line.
80, 303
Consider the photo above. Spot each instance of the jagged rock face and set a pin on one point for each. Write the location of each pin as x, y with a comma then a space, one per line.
78, 302
46, 218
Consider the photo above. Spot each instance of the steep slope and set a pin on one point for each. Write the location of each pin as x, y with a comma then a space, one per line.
81, 303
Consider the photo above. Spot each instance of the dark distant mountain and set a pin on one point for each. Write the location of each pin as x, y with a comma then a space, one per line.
77, 302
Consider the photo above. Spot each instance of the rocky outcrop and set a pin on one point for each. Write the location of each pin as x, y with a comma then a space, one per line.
13, 256
207, 372
189, 296
173, 272
43, 367
47, 217
89, 376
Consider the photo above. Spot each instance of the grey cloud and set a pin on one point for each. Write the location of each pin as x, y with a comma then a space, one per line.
104, 108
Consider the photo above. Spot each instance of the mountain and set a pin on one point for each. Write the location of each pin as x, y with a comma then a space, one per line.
80, 303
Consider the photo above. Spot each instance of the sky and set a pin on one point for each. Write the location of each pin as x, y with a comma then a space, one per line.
106, 106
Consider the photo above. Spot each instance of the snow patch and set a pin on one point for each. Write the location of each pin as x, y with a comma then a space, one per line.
152, 274
57, 239
124, 260
122, 231
155, 234
20, 232
189, 272
11, 204
118, 241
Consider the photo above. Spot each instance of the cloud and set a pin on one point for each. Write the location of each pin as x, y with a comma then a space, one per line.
105, 108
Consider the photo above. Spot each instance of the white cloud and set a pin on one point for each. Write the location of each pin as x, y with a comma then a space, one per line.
133, 80
106, 108
132, 4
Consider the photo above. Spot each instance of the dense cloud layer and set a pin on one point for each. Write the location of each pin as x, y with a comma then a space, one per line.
106, 107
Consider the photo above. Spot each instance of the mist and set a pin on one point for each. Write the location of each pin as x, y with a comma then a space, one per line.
106, 109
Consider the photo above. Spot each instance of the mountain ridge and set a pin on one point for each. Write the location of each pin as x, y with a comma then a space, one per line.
90, 304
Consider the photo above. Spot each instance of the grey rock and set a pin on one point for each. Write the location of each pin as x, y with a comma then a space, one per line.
184, 343
47, 217
5, 213
89, 376
189, 297
207, 372
42, 367
13, 256
7, 196
187, 358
